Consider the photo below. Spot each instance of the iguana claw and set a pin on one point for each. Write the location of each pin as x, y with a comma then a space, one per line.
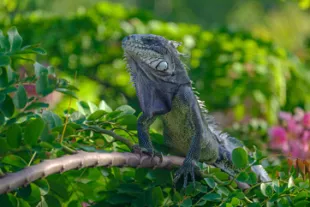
148, 151
188, 167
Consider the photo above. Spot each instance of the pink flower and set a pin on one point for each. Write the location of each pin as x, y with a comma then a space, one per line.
294, 128
306, 120
285, 116
278, 137
306, 136
292, 137
299, 114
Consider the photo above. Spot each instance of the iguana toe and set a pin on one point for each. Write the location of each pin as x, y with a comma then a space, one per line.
148, 151
188, 168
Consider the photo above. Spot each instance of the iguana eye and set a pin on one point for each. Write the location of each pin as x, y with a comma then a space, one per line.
162, 66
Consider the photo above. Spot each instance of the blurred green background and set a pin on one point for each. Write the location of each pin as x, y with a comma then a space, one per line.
247, 59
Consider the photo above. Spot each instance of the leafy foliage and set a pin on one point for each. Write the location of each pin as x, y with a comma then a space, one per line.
31, 133
257, 72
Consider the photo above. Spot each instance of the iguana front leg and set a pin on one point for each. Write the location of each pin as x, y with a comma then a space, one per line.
145, 143
196, 126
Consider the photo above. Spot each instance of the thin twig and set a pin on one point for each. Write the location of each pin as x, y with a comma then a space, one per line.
125, 141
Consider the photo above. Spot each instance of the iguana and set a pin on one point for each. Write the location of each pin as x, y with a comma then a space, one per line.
164, 90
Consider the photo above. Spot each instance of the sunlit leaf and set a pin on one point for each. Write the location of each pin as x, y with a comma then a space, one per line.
15, 39
240, 157
96, 115
266, 189
4, 42
104, 106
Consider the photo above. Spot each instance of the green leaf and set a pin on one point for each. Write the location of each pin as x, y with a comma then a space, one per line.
104, 106
35, 194
96, 115
43, 84
83, 107
243, 177
157, 196
52, 119
77, 117
23, 203
125, 109
15, 39
4, 42
238, 194
39, 51
240, 157
2, 96
4, 147
187, 202
258, 155
3, 77
69, 130
211, 183
212, 197
221, 175
52, 201
222, 190
20, 99
75, 203
38, 69
92, 107
36, 105
302, 203
9, 89
303, 195
8, 200
201, 203
2, 119
4, 60
66, 91
15, 161
14, 135
43, 186
266, 189
128, 120
290, 182
252, 178
61, 185
7, 107
33, 130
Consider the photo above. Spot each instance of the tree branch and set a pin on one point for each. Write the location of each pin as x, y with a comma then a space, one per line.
84, 160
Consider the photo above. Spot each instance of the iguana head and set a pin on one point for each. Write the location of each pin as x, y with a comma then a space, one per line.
156, 70
156, 56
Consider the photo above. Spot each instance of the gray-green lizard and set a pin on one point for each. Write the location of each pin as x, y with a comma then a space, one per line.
164, 90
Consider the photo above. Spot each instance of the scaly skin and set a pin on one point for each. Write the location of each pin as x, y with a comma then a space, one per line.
164, 90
